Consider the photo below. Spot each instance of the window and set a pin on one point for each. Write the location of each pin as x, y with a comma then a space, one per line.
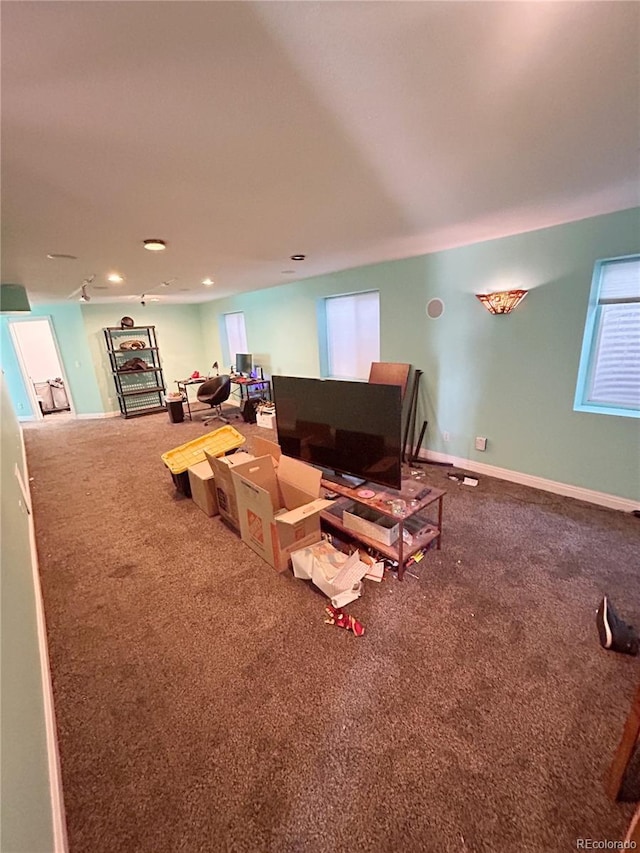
236, 334
352, 334
609, 374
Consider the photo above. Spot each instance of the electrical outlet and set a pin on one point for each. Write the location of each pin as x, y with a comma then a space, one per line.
446, 436
481, 443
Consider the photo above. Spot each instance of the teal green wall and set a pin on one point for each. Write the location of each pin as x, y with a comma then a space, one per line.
74, 352
511, 379
24, 776
78, 329
11, 370
179, 335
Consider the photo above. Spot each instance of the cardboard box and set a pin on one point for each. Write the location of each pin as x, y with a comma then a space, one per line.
221, 467
338, 575
266, 420
264, 447
362, 519
278, 506
203, 491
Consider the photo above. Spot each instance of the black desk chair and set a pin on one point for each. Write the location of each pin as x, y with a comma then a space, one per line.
215, 392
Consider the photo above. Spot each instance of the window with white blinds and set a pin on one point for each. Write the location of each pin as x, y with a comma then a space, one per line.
609, 377
236, 334
353, 334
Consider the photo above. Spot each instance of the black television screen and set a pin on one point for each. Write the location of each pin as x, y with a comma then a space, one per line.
244, 363
348, 427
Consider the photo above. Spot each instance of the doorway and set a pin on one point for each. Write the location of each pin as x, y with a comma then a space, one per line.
41, 367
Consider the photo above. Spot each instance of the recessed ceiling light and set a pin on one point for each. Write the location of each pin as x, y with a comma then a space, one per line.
61, 256
154, 299
207, 281
298, 257
155, 245
115, 278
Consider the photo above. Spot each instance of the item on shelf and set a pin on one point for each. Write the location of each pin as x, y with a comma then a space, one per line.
343, 620
398, 506
127, 323
135, 363
366, 493
195, 375
129, 345
363, 519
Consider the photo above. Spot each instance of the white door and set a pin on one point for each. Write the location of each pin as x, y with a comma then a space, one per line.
41, 365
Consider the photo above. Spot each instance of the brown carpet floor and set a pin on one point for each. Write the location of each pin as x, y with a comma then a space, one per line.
203, 704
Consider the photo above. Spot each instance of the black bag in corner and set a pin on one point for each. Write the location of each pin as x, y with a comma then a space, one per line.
249, 411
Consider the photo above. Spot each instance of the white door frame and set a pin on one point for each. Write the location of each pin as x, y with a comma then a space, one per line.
31, 391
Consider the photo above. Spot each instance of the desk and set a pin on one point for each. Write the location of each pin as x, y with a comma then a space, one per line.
252, 389
183, 388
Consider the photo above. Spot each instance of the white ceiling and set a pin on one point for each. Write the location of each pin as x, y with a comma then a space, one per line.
353, 132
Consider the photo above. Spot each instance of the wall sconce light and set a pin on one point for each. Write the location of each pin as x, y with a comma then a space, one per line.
503, 302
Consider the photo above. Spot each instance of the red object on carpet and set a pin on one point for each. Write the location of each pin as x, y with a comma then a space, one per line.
343, 620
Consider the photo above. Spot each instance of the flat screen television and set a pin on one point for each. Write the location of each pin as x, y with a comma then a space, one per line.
244, 363
344, 428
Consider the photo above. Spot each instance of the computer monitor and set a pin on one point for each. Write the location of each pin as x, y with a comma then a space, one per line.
244, 363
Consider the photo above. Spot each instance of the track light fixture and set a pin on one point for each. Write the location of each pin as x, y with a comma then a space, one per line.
82, 290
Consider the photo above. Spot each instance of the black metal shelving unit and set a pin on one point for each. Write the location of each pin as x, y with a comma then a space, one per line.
140, 391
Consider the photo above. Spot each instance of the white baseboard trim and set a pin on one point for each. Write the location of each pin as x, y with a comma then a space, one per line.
92, 415
565, 489
88, 416
60, 842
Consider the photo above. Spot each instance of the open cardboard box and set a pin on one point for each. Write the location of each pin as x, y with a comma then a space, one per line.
203, 488
222, 467
278, 506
